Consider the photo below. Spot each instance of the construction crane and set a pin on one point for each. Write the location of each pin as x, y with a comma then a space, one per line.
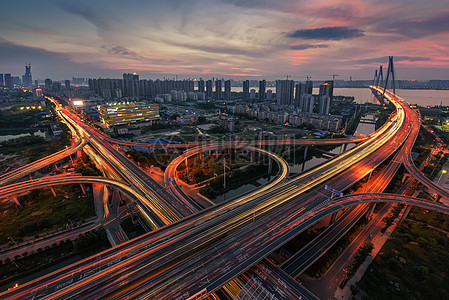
333, 75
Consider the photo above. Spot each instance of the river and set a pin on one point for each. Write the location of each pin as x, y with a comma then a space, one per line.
362, 95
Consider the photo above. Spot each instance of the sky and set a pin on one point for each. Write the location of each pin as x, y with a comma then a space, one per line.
239, 39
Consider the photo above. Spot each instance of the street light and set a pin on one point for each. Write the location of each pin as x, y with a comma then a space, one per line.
12, 240
442, 172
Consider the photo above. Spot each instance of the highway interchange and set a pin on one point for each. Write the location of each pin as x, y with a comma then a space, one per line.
194, 254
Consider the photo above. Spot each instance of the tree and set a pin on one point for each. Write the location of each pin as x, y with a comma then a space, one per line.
421, 273
394, 264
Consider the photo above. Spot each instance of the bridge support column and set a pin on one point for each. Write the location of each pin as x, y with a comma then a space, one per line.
333, 218
29, 176
210, 153
83, 189
79, 153
371, 210
270, 165
405, 177
305, 152
252, 156
187, 169
53, 191
56, 167
115, 202
344, 147
101, 194
14, 199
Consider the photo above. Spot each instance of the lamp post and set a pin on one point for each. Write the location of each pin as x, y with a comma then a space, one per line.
12, 240
442, 172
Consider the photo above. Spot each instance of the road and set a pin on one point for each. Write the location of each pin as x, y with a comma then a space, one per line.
170, 171
200, 253
304, 258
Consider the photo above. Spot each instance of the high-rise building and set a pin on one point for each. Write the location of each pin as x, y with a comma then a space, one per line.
227, 90
252, 94
131, 85
309, 87
2, 83
209, 89
262, 88
67, 84
325, 97
284, 92
48, 85
218, 89
269, 96
246, 90
299, 92
201, 85
8, 81
27, 79
307, 103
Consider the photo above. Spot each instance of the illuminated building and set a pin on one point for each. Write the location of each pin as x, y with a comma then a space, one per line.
127, 113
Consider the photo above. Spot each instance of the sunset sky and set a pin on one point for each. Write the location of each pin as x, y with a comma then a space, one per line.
237, 39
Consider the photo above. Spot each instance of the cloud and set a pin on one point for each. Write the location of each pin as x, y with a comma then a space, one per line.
384, 59
418, 28
307, 46
120, 50
44, 62
327, 33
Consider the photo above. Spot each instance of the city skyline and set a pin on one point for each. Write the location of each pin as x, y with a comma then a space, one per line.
231, 39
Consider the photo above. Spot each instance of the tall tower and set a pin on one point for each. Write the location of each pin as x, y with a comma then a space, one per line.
227, 91
262, 88
246, 90
218, 90
201, 85
209, 84
325, 97
27, 79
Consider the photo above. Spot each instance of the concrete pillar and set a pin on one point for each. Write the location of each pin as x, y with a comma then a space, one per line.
187, 169
101, 194
333, 218
344, 147
305, 152
270, 165
14, 198
210, 153
83, 189
56, 167
371, 210
252, 156
29, 176
53, 191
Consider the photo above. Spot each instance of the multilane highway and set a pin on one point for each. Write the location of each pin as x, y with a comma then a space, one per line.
221, 242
